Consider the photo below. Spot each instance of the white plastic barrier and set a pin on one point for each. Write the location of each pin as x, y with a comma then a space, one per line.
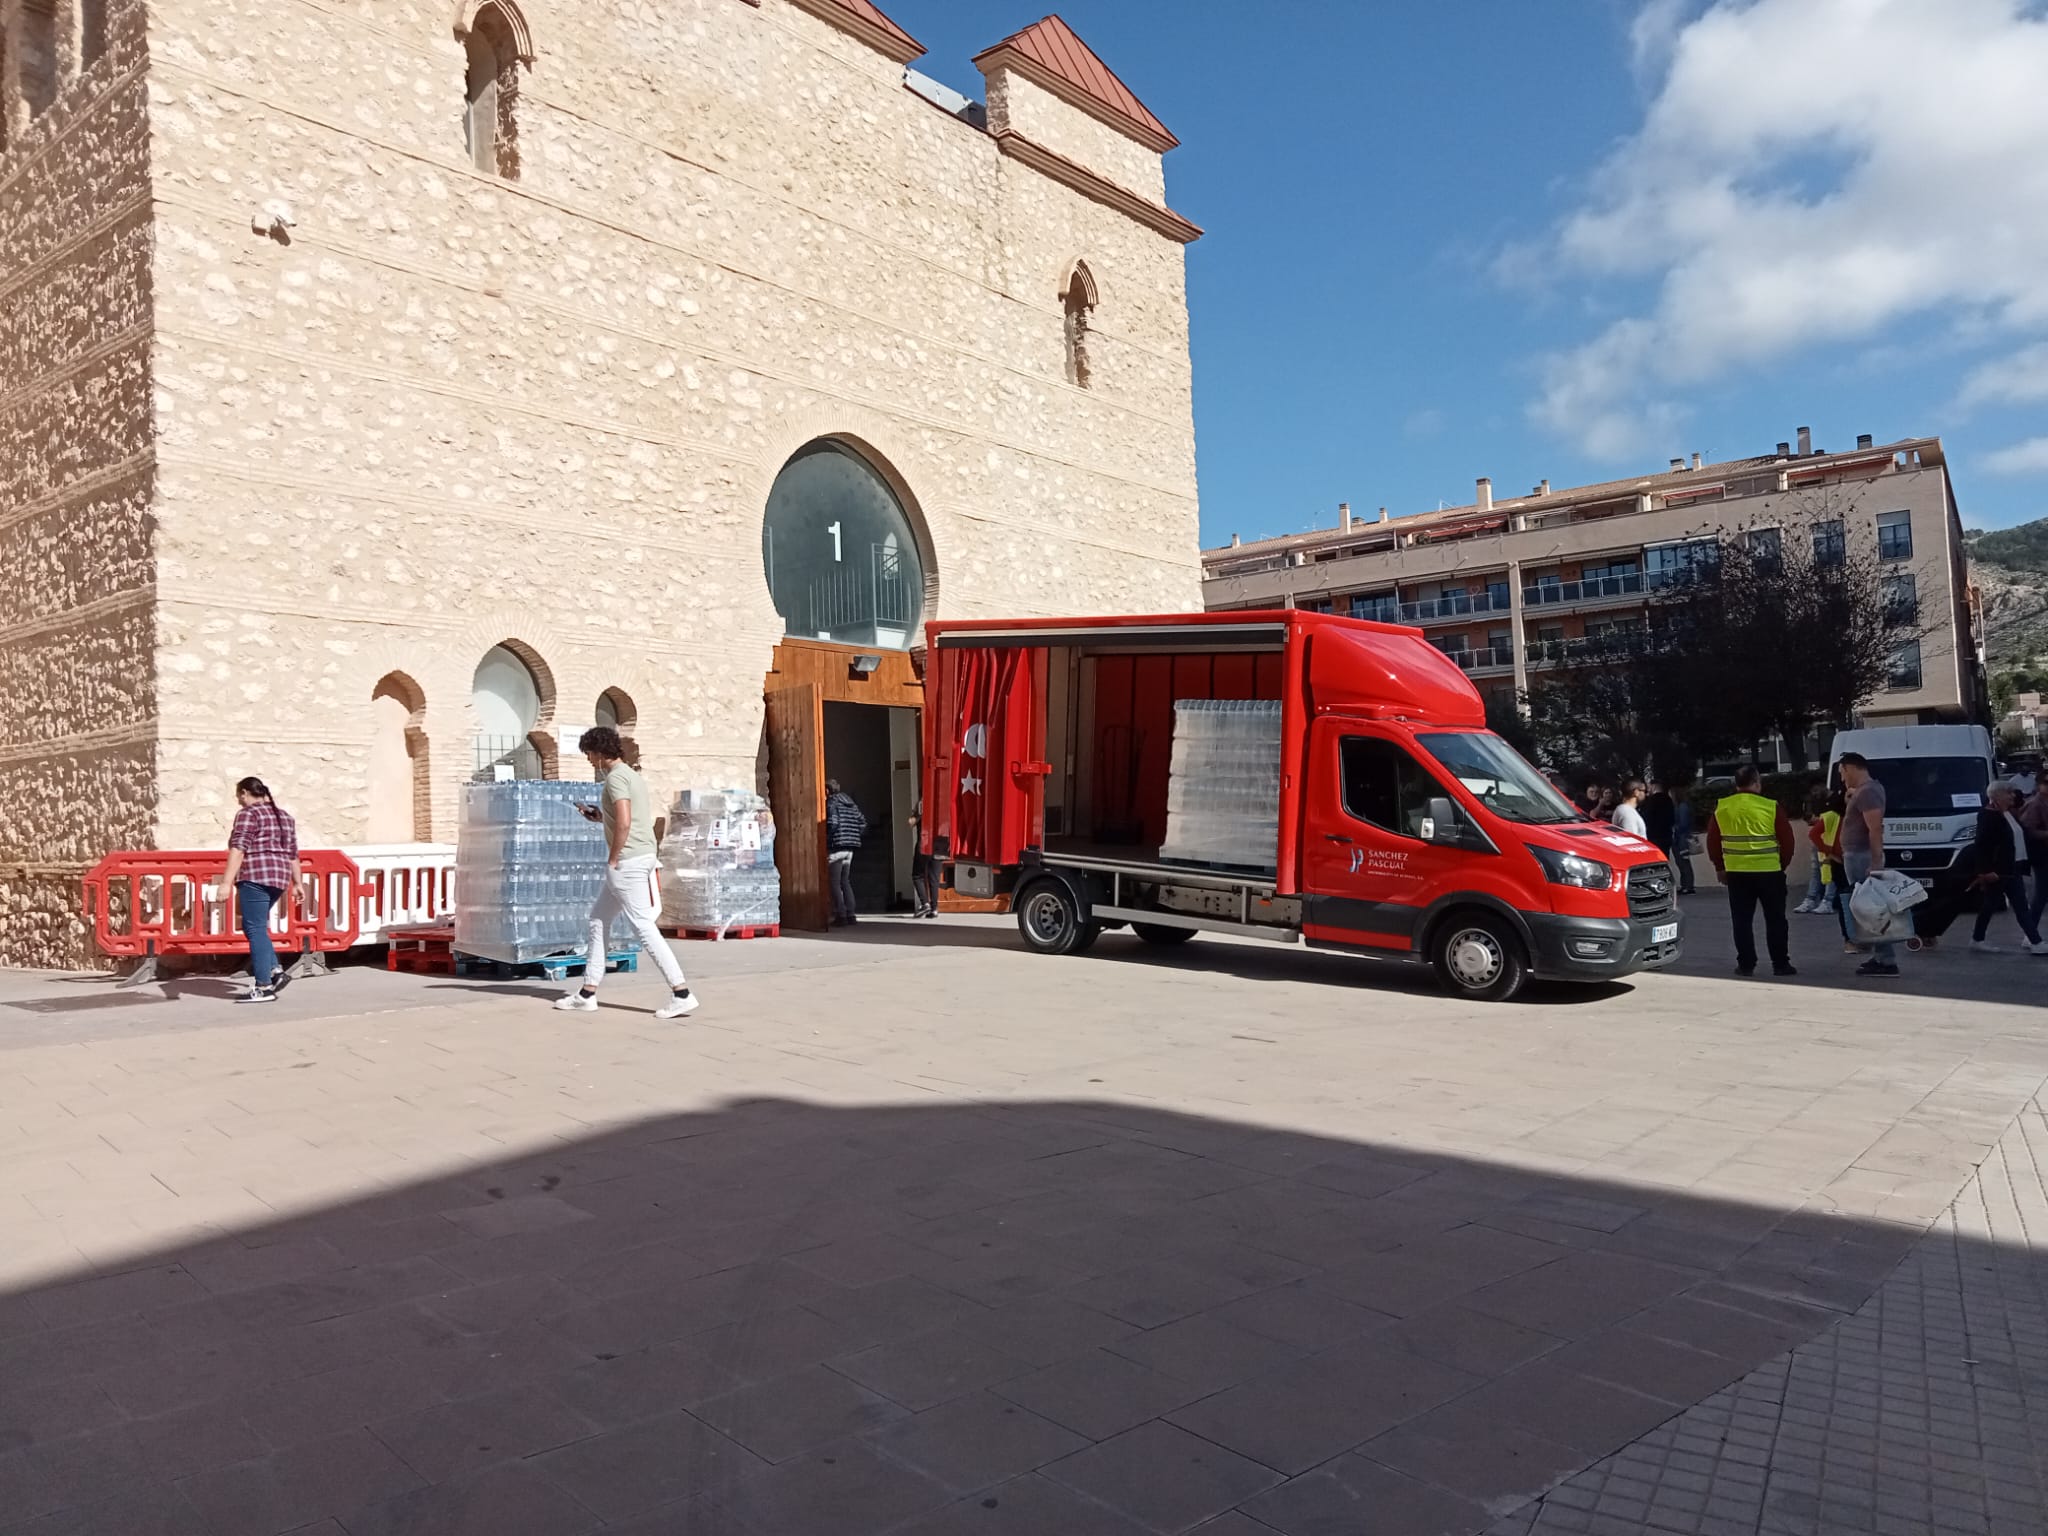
403, 884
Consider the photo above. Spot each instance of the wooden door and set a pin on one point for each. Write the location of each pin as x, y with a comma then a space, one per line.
796, 791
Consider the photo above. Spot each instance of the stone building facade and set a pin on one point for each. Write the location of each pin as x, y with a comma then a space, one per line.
345, 342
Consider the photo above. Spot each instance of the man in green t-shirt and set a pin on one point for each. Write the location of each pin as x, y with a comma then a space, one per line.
632, 875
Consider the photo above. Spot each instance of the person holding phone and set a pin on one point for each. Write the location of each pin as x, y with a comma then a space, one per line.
263, 864
632, 875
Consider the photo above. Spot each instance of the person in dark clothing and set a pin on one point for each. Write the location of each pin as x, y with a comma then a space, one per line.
1660, 816
1998, 853
1681, 840
845, 830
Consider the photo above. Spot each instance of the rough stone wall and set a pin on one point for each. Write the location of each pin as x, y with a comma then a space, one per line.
77, 629
454, 410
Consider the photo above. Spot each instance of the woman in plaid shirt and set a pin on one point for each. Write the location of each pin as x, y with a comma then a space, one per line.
263, 863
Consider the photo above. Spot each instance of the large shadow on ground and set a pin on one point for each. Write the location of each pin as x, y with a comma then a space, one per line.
1033, 1319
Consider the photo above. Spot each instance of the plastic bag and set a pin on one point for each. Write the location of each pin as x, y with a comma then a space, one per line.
1879, 904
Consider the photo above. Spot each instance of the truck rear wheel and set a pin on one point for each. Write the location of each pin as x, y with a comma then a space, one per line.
1050, 919
1156, 933
1476, 955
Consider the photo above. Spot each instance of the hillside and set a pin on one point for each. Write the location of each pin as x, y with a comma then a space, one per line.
2012, 574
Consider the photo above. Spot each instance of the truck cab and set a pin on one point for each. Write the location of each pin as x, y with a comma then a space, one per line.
1290, 776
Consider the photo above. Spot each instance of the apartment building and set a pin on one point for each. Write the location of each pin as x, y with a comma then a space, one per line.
1517, 589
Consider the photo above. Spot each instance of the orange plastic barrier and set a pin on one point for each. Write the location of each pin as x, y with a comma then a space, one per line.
154, 904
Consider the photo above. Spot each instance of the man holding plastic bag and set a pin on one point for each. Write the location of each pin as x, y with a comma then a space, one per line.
1877, 912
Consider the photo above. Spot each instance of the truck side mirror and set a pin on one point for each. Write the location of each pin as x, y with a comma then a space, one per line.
1443, 826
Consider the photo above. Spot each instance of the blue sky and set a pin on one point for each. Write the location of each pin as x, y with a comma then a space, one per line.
1574, 239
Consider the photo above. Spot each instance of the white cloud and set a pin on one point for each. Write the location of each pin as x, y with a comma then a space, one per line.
1807, 172
2019, 379
2027, 458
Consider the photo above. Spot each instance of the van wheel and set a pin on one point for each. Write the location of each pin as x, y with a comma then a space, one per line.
1155, 933
1050, 920
1478, 956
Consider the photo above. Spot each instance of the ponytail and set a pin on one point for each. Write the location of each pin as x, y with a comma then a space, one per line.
253, 786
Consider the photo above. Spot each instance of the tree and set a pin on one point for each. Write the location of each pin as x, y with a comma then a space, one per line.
1507, 721
1589, 721
1780, 629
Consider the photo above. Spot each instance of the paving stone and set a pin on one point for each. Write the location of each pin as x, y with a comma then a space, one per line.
844, 1487
511, 1499
1354, 1494
624, 1472
298, 1486
1164, 1477
928, 1368
975, 1441
1033, 1505
1204, 1351
1099, 1394
1300, 1415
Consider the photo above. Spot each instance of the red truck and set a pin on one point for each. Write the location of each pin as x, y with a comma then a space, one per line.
1284, 775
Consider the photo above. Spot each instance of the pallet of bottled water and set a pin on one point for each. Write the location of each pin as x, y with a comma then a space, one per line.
1223, 796
718, 863
528, 865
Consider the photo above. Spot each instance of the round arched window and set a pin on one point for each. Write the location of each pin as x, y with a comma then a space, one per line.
842, 561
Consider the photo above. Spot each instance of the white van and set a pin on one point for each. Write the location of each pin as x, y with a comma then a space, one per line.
1934, 778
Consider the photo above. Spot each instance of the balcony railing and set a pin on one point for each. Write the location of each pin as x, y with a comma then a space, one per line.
1483, 660
1549, 594
1453, 606
1381, 610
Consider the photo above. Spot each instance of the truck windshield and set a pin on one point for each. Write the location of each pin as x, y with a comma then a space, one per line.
1499, 777
1929, 786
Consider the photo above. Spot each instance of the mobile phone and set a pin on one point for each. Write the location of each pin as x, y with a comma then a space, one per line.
588, 812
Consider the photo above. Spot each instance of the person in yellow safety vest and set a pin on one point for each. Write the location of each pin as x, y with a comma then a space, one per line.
1750, 842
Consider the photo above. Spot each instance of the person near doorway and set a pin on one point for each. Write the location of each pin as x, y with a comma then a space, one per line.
1999, 854
1863, 854
845, 830
1628, 812
632, 876
924, 890
263, 864
1750, 843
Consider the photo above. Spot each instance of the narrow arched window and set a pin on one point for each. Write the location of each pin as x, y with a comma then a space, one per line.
1079, 300
491, 110
36, 58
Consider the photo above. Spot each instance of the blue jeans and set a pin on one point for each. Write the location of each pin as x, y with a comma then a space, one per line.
1858, 862
255, 901
1816, 891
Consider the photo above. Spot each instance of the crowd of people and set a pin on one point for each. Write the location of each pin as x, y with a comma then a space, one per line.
1750, 842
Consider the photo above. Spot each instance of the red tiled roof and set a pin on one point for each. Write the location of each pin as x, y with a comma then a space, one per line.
1050, 53
871, 24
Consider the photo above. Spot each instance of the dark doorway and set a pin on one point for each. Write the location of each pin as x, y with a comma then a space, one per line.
872, 751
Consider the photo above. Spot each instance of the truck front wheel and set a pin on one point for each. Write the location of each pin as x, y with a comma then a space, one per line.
1478, 956
1050, 919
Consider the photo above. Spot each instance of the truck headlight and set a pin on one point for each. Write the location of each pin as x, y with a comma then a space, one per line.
1562, 868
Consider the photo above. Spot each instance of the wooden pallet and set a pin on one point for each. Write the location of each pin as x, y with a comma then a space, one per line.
427, 950
740, 931
554, 967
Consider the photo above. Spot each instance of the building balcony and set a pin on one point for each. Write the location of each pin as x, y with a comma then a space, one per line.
1456, 605
1600, 589
1490, 659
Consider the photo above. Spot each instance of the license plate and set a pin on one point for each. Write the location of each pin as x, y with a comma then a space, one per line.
1663, 933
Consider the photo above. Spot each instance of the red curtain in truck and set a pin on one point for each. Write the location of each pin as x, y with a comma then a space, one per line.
989, 741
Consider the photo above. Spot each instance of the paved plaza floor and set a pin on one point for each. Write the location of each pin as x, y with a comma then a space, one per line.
910, 1231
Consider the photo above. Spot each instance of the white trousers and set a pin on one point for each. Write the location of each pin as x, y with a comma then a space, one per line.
632, 887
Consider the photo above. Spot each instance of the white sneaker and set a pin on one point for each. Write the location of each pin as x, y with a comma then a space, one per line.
682, 1007
2038, 949
1804, 906
1986, 945
578, 1001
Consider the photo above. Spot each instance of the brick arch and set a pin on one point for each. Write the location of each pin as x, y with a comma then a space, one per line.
1079, 272
418, 746
513, 19
886, 448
